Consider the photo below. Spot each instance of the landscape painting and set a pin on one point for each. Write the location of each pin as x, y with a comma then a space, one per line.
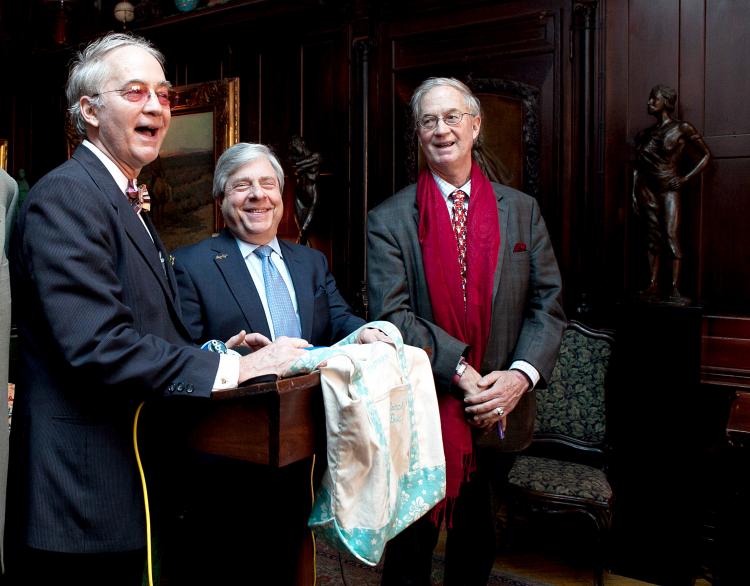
179, 181
204, 124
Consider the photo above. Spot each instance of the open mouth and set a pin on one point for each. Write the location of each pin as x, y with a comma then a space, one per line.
147, 130
445, 145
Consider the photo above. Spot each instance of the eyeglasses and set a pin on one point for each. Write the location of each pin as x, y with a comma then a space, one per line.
137, 92
430, 122
243, 187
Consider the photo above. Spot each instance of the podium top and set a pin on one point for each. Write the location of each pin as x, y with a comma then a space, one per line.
280, 386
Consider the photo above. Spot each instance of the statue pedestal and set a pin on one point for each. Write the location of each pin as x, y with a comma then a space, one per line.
656, 430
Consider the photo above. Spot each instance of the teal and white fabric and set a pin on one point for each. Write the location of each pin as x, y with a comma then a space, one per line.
386, 466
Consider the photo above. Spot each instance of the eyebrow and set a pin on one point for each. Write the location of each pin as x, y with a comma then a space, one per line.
163, 83
259, 179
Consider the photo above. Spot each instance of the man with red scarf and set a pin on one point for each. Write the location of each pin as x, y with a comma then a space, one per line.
465, 269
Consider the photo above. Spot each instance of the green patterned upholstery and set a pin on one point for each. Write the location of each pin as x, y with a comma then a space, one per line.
565, 479
571, 417
573, 403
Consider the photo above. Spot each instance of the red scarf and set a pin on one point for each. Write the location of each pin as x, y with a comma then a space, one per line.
470, 324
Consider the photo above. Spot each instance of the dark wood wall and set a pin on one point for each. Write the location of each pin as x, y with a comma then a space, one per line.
340, 74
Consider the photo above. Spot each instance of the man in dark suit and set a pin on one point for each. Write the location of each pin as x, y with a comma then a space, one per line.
224, 285
100, 331
466, 270
221, 281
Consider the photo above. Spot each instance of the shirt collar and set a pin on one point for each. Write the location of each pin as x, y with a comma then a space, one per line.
446, 188
247, 249
120, 178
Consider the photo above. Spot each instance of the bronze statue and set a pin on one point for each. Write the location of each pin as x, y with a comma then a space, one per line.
657, 181
306, 170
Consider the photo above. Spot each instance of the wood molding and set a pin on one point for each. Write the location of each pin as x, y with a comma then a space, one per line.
725, 351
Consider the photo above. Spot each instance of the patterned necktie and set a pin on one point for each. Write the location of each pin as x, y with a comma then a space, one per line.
139, 197
277, 295
459, 229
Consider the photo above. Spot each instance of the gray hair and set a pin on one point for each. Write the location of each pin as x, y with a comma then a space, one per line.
88, 72
472, 102
239, 155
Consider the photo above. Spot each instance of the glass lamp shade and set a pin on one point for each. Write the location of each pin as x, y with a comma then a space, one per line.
124, 12
185, 5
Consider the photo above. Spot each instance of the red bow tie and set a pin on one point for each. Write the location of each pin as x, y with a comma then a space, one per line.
139, 198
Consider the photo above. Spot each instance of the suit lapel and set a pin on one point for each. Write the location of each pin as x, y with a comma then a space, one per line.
130, 221
301, 279
502, 210
167, 273
232, 267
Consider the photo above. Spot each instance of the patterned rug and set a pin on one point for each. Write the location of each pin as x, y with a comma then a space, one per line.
346, 570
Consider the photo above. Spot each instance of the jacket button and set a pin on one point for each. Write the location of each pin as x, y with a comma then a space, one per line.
189, 388
180, 387
170, 388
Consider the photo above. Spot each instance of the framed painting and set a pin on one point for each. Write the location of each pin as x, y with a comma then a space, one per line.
205, 122
4, 154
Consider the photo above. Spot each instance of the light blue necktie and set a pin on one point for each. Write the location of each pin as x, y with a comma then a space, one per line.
277, 295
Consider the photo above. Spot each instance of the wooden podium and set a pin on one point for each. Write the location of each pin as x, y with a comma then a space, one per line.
274, 424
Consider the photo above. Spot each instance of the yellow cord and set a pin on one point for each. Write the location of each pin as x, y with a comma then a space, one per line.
148, 514
312, 533
145, 496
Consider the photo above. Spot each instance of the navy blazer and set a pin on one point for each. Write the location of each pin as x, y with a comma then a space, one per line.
100, 331
218, 296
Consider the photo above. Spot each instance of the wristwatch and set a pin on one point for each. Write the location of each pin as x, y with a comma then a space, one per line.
460, 369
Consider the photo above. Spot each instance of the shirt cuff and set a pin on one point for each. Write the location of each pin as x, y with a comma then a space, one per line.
528, 370
228, 375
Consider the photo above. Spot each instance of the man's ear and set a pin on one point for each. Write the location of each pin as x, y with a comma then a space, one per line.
476, 124
89, 111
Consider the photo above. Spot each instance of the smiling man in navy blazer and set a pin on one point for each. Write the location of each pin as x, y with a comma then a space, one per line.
222, 289
465, 268
100, 332
221, 283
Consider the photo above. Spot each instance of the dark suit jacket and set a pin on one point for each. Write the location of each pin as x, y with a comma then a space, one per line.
527, 316
100, 332
218, 296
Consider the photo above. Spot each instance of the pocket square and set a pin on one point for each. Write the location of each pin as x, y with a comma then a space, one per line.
519, 247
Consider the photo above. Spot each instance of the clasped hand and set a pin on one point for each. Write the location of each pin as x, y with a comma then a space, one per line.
483, 395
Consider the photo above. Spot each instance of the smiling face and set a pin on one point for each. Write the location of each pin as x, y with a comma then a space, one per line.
252, 205
448, 148
129, 133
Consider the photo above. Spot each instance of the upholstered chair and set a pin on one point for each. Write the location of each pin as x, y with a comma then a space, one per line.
564, 470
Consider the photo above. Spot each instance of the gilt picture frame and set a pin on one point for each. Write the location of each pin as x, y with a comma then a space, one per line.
4, 154
205, 122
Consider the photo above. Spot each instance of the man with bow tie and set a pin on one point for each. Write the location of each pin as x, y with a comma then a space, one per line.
465, 269
100, 330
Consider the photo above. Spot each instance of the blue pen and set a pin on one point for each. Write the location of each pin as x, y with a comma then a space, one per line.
500, 432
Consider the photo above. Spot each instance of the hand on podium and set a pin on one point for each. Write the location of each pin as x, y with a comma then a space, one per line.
270, 358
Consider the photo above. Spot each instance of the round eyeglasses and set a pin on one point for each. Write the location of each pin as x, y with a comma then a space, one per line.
430, 122
137, 92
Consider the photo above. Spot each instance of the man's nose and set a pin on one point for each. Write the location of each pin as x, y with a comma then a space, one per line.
152, 102
440, 122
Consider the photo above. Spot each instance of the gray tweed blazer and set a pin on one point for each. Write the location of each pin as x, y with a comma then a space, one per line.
527, 315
